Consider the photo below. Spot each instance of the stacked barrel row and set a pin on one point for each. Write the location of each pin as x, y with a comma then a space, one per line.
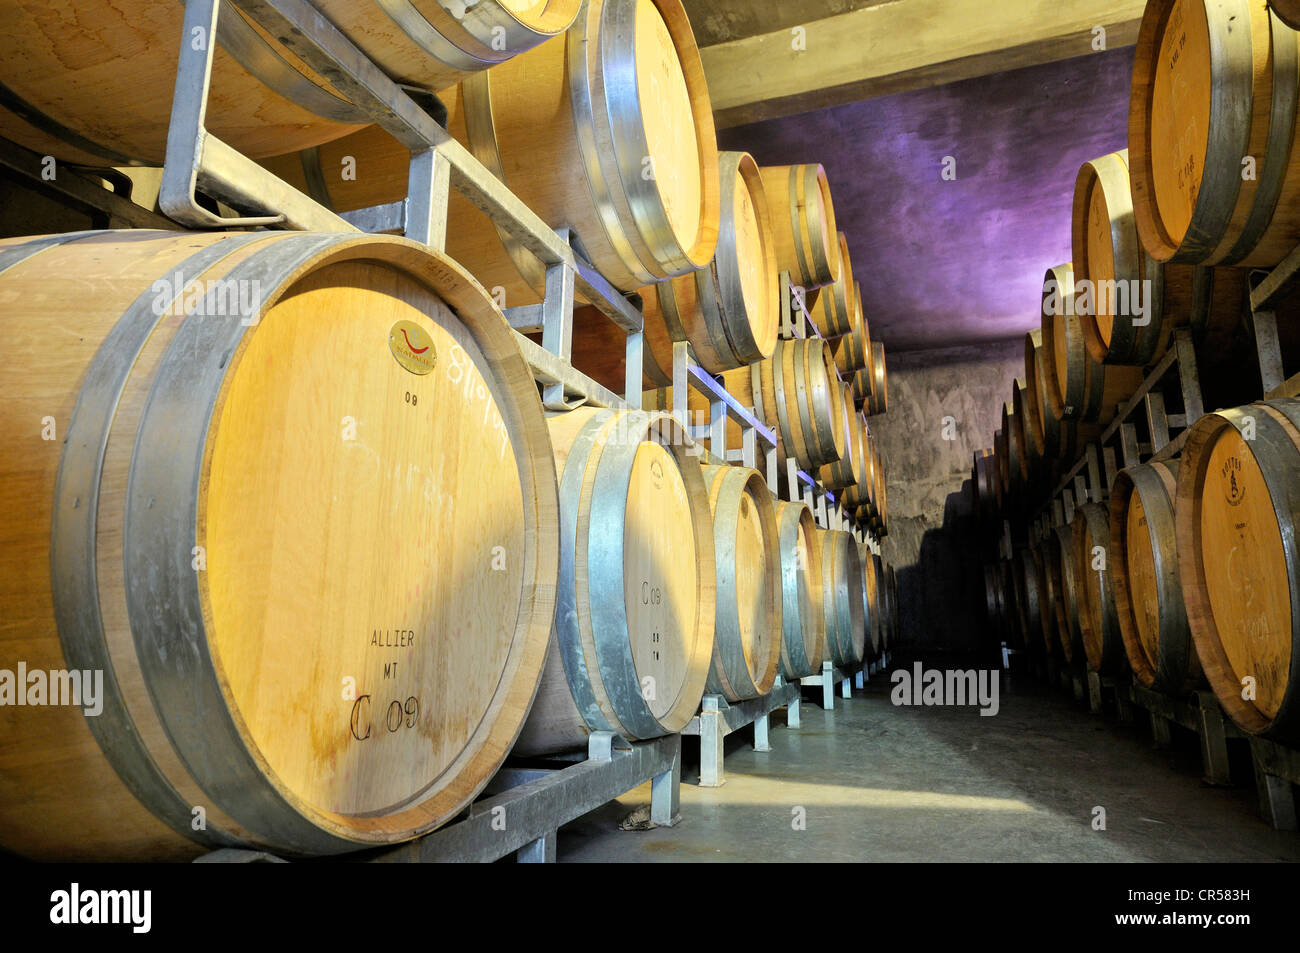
1179, 569
292, 501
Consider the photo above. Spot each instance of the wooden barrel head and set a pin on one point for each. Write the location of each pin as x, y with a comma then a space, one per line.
844, 598
294, 489
1288, 11
880, 376
396, 636
803, 223
756, 255
1025, 452
1068, 631
835, 311
1180, 114
635, 610
803, 623
1141, 581
1062, 342
526, 10
668, 113
747, 640
1147, 581
753, 595
1093, 565
1102, 212
658, 536
1244, 567
818, 195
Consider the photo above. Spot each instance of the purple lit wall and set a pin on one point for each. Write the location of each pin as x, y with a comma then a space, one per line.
946, 263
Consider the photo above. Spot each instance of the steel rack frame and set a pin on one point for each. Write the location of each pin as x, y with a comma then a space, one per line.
197, 160
1120, 444
831, 676
522, 808
1277, 772
1200, 712
75, 187
535, 801
719, 718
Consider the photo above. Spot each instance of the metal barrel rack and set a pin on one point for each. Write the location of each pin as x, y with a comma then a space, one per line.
1199, 712
1144, 431
523, 807
719, 718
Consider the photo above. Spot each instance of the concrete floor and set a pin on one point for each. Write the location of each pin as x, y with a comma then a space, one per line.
880, 783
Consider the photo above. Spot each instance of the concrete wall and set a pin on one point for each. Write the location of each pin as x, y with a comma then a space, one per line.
957, 262
931, 538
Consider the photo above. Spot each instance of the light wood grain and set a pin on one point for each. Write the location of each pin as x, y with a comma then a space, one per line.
1193, 199
655, 608
107, 71
748, 625
803, 223
327, 558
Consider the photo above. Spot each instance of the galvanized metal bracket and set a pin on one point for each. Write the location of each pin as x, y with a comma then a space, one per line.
196, 159
688, 375
717, 719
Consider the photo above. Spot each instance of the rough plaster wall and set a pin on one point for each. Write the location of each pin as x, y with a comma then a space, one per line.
931, 538
957, 262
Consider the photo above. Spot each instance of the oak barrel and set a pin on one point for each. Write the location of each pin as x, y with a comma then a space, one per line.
835, 312
1060, 549
1094, 592
1128, 303
94, 84
1212, 114
983, 495
1148, 596
607, 130
748, 626
877, 600
851, 468
878, 403
633, 633
1011, 476
1235, 518
1288, 11
803, 221
797, 393
1064, 350
853, 349
844, 599
1023, 452
1043, 428
803, 624
1029, 596
271, 463
1040, 554
1080, 388
729, 311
